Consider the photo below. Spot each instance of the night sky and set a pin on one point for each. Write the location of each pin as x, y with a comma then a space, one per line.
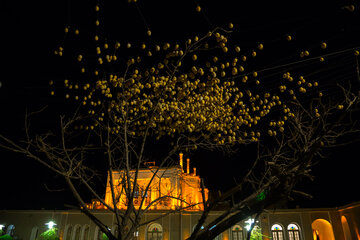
31, 30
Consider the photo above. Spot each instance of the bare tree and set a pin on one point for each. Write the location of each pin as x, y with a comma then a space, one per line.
193, 93
281, 165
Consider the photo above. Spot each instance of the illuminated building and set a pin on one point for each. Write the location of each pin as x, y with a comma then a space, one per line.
176, 189
183, 193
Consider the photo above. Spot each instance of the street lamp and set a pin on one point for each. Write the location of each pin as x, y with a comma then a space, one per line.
249, 222
50, 224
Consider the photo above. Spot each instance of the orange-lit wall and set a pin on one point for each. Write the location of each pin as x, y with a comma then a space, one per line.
183, 189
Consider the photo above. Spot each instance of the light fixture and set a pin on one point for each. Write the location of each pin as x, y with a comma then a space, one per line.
50, 224
249, 222
1, 226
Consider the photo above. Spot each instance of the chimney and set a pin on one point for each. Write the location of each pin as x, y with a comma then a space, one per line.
188, 165
181, 161
194, 169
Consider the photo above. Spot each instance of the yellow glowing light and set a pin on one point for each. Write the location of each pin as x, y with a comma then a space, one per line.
198, 8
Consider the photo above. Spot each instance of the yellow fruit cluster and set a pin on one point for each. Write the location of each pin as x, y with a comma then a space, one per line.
172, 88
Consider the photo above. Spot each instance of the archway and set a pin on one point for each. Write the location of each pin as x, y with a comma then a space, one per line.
346, 228
322, 230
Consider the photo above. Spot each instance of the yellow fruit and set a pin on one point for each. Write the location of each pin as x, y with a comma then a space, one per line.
323, 45
234, 71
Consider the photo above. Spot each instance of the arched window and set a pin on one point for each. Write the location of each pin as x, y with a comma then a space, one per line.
76, 232
154, 232
34, 233
277, 232
322, 229
294, 233
237, 233
10, 230
98, 234
114, 230
68, 232
85, 232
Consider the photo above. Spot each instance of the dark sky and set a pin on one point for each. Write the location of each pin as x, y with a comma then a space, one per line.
31, 30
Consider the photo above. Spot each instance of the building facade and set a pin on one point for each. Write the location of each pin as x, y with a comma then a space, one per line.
181, 191
282, 224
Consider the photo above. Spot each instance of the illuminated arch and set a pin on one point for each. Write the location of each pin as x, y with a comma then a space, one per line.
237, 233
293, 231
277, 232
346, 228
154, 232
322, 230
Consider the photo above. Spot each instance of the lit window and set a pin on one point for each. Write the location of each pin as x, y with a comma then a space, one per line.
154, 232
277, 232
237, 233
294, 233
